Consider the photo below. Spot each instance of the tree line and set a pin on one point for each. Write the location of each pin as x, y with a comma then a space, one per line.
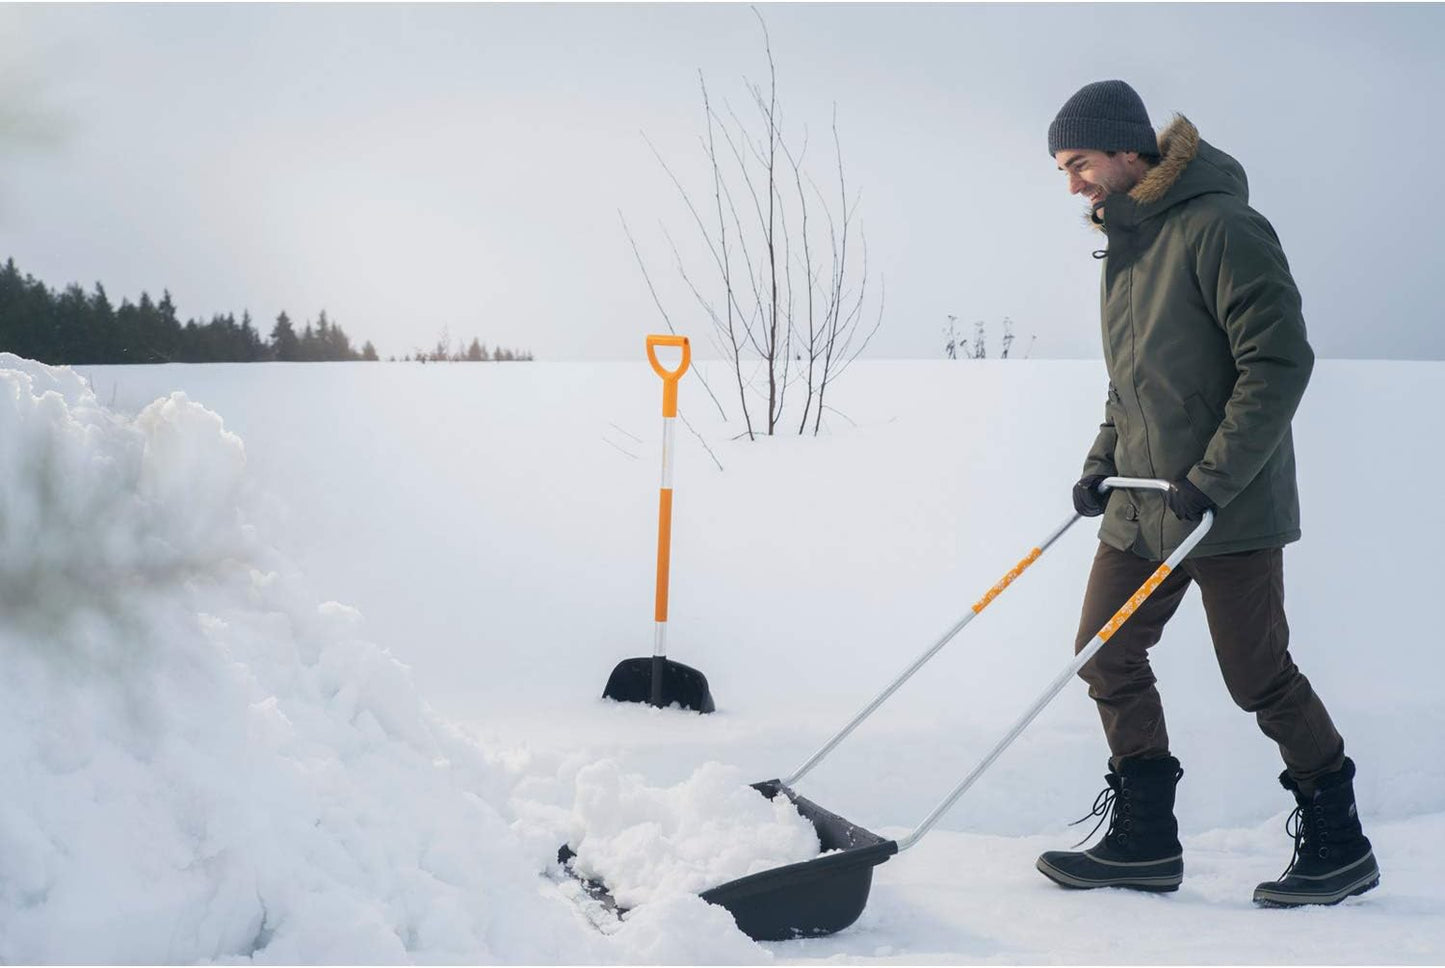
477, 352
72, 326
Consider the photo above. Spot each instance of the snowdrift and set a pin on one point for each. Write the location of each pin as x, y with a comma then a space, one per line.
202, 763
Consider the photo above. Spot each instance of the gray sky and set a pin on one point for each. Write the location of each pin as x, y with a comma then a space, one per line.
409, 167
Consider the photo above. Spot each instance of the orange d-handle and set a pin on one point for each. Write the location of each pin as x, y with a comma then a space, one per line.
669, 377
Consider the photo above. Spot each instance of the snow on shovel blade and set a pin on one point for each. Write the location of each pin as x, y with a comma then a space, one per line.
813, 897
631, 681
810, 898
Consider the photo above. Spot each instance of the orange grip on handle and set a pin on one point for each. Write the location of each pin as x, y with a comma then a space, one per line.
1132, 605
669, 377
1007, 580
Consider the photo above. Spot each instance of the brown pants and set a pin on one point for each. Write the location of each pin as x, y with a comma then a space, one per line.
1244, 601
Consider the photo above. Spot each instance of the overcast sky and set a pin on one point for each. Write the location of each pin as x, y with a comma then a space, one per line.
411, 168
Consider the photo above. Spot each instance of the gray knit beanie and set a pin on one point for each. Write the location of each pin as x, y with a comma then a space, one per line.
1103, 116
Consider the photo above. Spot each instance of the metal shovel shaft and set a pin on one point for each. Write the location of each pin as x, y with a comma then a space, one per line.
1085, 654
932, 650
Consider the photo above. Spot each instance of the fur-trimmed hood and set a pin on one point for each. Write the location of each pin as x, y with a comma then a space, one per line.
1188, 167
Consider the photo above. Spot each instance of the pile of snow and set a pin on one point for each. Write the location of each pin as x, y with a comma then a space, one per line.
646, 843
202, 763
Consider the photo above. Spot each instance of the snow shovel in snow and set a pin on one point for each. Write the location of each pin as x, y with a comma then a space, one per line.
827, 893
658, 680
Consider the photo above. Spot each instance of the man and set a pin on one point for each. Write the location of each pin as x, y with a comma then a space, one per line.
1207, 358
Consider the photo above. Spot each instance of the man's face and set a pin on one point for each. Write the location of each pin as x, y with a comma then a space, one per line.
1096, 175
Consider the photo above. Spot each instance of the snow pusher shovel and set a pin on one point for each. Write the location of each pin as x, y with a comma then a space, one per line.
826, 894
658, 680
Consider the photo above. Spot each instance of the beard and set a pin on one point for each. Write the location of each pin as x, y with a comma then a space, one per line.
1119, 183
1112, 184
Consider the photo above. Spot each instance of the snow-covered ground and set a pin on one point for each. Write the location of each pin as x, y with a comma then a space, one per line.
209, 758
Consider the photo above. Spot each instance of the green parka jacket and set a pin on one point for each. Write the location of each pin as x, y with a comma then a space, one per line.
1205, 346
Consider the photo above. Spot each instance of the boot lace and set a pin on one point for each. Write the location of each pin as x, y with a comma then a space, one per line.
1104, 808
1310, 831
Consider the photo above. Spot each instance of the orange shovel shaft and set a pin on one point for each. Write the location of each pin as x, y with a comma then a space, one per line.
664, 552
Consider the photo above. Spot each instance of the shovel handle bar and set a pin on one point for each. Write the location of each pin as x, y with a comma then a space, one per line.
1084, 655
669, 377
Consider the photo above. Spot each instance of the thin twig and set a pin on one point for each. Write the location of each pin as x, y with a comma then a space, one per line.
623, 432
699, 438
615, 447
647, 277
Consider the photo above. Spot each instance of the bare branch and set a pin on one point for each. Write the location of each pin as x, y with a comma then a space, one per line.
647, 277
727, 263
699, 437
619, 449
624, 433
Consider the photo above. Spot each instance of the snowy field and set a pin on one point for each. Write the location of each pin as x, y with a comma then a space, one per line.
304, 665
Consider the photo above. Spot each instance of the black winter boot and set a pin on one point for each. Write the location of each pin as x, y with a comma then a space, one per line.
1141, 848
1332, 856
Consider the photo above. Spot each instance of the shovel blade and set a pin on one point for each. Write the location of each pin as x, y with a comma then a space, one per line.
813, 897
807, 899
631, 681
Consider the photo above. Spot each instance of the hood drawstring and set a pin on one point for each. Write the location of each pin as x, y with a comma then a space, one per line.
1096, 216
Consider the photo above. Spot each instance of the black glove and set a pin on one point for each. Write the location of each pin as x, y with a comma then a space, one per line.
1088, 500
1187, 501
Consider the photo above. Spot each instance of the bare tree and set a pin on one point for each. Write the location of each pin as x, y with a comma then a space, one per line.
956, 343
953, 343
786, 284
